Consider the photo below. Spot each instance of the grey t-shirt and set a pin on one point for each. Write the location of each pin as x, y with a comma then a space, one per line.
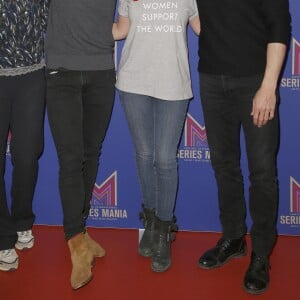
79, 34
154, 59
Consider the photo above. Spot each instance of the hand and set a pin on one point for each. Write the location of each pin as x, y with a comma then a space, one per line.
264, 104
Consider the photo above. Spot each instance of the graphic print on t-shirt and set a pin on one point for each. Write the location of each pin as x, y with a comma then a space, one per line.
159, 17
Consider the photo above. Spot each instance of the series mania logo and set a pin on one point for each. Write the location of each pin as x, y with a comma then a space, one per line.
293, 219
293, 82
104, 202
8, 144
195, 142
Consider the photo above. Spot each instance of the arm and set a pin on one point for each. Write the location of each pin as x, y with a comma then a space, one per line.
45, 7
195, 24
120, 28
264, 101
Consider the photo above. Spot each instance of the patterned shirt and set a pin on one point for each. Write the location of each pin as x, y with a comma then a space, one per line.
22, 27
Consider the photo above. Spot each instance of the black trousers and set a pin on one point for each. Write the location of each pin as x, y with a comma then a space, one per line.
227, 104
22, 105
79, 107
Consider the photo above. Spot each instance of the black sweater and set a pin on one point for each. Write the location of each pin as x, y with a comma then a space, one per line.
235, 33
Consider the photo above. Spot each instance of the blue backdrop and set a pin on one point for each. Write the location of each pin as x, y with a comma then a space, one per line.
116, 199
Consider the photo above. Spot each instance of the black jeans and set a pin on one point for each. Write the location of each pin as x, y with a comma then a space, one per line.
227, 104
79, 106
22, 107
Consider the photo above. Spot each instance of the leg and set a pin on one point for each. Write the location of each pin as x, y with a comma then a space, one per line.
65, 112
169, 119
263, 198
139, 112
156, 130
8, 235
27, 121
261, 146
98, 100
222, 123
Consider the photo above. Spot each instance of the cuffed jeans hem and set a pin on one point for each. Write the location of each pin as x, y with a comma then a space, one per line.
71, 234
24, 225
8, 242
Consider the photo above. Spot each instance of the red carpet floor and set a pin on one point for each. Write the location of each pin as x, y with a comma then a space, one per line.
44, 271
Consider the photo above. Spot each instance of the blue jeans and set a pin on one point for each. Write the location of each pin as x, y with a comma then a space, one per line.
227, 104
79, 106
156, 127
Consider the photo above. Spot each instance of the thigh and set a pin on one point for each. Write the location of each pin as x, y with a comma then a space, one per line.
139, 112
6, 84
65, 110
98, 100
262, 146
222, 121
261, 142
27, 115
169, 117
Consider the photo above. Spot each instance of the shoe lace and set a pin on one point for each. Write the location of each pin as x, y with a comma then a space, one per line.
224, 244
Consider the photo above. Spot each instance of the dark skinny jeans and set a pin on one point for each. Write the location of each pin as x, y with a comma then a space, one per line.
79, 107
227, 104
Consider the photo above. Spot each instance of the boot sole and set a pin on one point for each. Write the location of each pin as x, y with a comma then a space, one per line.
99, 256
145, 253
160, 270
82, 284
24, 246
9, 267
256, 292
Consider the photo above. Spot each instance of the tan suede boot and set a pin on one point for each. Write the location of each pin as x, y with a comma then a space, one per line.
82, 258
96, 249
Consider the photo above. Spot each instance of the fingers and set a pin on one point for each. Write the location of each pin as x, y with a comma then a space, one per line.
261, 117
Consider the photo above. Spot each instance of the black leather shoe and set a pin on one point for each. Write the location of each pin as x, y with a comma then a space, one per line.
257, 278
224, 251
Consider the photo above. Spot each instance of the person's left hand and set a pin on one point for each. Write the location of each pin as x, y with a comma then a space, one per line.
264, 104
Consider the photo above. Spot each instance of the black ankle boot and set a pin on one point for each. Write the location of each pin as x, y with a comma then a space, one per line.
257, 279
146, 243
161, 257
225, 250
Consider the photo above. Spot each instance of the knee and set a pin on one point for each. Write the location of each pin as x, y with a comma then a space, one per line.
145, 156
25, 159
226, 166
165, 163
25, 162
70, 163
264, 170
263, 176
92, 152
